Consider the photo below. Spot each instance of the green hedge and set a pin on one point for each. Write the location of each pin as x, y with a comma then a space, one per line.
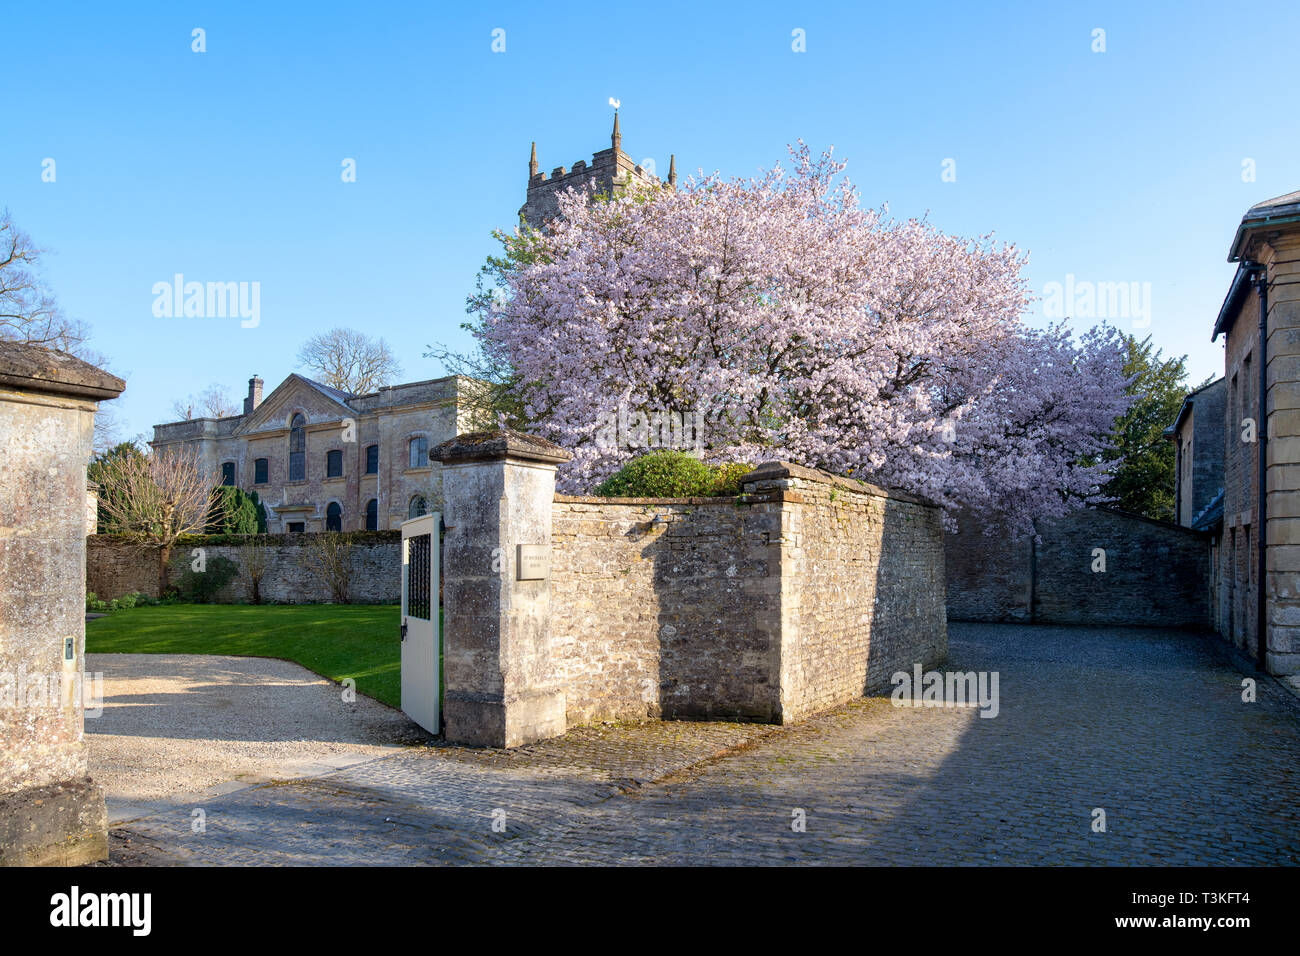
673, 474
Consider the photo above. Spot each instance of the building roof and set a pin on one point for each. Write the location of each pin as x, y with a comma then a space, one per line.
1280, 210
1211, 516
1270, 214
343, 398
1232, 302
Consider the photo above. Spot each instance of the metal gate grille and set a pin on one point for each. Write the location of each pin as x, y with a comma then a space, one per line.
417, 577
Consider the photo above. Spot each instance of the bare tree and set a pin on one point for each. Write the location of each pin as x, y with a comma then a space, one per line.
212, 402
329, 556
255, 558
28, 310
155, 499
108, 429
29, 313
350, 361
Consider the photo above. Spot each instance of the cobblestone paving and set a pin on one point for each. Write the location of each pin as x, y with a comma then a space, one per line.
1148, 726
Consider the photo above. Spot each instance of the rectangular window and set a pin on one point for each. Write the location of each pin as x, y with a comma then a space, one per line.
419, 452
297, 527
297, 466
228, 473
333, 464
259, 471
372, 459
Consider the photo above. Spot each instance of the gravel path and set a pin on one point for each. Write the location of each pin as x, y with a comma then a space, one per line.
175, 726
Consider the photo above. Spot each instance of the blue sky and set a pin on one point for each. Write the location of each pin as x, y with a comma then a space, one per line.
1116, 166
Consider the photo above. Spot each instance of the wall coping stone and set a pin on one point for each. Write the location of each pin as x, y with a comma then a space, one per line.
268, 539
498, 444
786, 471
729, 500
30, 368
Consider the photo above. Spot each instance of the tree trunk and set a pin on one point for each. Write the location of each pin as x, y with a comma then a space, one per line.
164, 555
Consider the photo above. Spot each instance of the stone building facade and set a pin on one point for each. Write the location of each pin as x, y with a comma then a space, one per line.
1197, 434
1260, 318
609, 171
50, 809
321, 459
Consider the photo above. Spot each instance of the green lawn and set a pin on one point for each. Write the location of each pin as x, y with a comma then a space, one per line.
335, 641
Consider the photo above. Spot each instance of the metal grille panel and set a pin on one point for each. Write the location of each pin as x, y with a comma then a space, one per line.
417, 577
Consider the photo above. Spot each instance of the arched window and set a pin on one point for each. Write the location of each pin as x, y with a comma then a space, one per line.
372, 459
298, 448
334, 464
419, 453
372, 515
334, 517
260, 471
418, 507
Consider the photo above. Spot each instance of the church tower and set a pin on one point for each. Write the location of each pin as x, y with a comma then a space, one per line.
610, 169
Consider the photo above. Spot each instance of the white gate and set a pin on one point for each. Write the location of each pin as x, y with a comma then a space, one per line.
421, 627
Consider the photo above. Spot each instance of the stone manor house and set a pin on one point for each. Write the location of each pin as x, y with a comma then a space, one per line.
323, 460
1238, 442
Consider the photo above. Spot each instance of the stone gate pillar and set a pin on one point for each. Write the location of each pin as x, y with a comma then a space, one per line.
502, 688
50, 810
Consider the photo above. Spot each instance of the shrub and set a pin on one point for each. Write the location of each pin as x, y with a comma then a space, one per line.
235, 511
134, 599
673, 474
93, 603
726, 478
660, 474
200, 587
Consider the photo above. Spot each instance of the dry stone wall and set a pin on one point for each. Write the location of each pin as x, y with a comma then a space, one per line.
666, 608
1155, 573
805, 592
115, 567
862, 587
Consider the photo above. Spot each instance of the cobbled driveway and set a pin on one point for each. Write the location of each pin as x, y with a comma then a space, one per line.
1148, 726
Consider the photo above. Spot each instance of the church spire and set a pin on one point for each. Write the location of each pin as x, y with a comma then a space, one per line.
617, 138
532, 162
672, 170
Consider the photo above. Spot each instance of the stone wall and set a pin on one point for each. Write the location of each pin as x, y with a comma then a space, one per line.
50, 810
115, 567
666, 608
862, 586
806, 592
1156, 573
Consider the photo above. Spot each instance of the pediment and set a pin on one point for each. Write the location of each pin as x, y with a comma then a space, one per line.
295, 394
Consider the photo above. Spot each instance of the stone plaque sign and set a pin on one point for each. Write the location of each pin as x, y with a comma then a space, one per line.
534, 562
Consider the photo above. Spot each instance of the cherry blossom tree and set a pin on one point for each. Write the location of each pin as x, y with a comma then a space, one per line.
807, 329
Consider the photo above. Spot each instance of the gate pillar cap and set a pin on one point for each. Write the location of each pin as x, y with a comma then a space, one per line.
30, 368
497, 444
